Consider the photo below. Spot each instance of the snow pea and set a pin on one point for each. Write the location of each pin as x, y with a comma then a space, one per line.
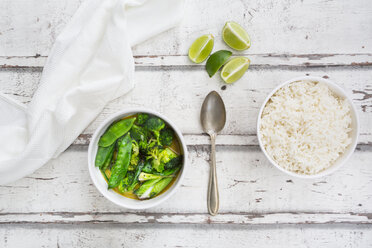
126, 182
109, 159
116, 130
103, 154
120, 168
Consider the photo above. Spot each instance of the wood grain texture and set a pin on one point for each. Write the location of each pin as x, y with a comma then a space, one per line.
57, 206
172, 91
185, 218
153, 235
251, 192
257, 60
29, 28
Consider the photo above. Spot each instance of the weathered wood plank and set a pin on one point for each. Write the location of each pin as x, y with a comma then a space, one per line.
174, 91
257, 60
152, 235
185, 218
222, 140
28, 28
248, 185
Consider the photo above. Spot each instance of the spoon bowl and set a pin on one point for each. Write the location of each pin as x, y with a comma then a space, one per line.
213, 113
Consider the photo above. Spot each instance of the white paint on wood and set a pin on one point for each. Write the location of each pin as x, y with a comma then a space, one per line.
289, 39
295, 27
222, 140
172, 92
218, 236
257, 60
182, 218
247, 184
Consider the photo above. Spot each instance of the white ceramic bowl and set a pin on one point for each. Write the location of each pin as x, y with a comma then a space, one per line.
100, 182
354, 134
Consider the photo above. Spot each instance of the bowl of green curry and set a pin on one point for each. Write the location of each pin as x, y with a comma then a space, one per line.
137, 158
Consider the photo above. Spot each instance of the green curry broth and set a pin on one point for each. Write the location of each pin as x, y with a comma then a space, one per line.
175, 146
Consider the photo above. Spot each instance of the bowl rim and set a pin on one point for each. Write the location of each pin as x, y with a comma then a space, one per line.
92, 151
352, 146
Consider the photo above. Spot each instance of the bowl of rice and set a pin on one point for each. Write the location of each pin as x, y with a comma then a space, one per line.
308, 127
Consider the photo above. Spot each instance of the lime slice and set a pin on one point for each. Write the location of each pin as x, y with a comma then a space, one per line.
235, 36
234, 69
216, 60
201, 48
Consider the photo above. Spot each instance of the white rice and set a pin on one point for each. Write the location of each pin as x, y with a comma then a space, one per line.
305, 127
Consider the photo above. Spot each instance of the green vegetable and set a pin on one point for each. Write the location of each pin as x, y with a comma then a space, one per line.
135, 152
155, 124
166, 136
144, 191
159, 157
144, 176
140, 165
115, 131
159, 186
126, 182
147, 167
119, 169
147, 176
139, 134
104, 175
109, 159
154, 155
167, 155
168, 172
174, 162
142, 118
103, 154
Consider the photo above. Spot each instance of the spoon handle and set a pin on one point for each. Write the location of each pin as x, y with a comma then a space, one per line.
213, 197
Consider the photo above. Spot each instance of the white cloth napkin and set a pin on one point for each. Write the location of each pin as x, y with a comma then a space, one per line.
90, 64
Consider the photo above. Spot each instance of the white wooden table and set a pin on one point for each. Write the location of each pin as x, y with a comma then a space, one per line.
58, 206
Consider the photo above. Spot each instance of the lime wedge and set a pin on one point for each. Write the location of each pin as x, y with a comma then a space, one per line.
216, 60
235, 36
201, 48
234, 69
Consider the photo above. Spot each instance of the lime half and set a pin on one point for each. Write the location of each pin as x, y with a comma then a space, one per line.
201, 48
216, 60
234, 69
235, 36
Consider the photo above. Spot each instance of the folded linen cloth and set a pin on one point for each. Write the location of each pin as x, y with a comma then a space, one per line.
90, 64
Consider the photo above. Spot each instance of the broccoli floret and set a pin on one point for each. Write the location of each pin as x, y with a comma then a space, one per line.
155, 124
167, 155
166, 137
142, 118
147, 168
135, 153
140, 134
174, 162
154, 155
159, 157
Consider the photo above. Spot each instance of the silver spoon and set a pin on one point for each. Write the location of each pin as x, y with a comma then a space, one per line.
213, 118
